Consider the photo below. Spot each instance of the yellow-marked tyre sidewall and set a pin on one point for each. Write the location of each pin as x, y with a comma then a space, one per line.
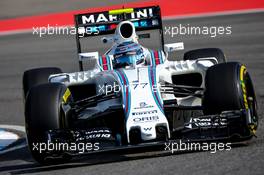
247, 92
242, 74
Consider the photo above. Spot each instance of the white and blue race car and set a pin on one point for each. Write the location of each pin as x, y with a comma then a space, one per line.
134, 96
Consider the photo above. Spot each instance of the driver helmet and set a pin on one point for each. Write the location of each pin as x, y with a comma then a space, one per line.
128, 54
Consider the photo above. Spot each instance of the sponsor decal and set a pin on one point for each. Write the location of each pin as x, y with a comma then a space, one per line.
143, 105
206, 122
93, 134
112, 17
147, 129
146, 119
98, 135
145, 112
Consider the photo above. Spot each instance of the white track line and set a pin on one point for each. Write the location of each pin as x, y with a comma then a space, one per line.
7, 135
13, 148
13, 127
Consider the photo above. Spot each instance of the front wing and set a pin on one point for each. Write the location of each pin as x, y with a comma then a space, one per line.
229, 126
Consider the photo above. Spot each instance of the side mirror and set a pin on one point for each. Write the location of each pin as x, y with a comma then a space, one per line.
88, 56
172, 47
89, 59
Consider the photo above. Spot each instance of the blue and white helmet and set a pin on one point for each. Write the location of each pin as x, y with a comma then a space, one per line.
128, 54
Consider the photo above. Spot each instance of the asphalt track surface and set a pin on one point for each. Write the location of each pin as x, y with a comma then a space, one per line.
13, 8
23, 51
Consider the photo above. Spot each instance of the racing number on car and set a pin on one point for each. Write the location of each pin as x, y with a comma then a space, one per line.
142, 85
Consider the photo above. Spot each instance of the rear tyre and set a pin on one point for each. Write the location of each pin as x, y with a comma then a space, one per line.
34, 77
229, 87
43, 113
205, 53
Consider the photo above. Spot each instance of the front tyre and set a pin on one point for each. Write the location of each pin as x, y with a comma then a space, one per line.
34, 77
43, 113
228, 87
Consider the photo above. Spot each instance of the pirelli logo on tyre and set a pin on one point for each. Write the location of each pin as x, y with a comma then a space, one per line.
244, 90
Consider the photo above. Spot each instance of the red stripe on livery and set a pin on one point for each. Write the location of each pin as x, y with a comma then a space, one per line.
156, 55
104, 61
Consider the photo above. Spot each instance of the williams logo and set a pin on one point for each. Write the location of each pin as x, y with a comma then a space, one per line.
148, 129
143, 105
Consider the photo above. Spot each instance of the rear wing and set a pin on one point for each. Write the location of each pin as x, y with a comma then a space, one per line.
103, 23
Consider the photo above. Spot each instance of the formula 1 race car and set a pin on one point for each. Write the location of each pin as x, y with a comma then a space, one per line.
135, 96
